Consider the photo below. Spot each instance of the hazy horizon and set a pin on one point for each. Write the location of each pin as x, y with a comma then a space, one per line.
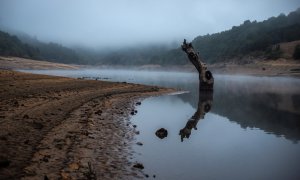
118, 24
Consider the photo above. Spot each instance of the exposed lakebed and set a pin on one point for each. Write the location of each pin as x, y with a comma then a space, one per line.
249, 128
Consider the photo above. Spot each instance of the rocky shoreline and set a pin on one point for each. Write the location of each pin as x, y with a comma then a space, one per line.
64, 128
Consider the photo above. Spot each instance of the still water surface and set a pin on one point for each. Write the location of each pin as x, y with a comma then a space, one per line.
249, 128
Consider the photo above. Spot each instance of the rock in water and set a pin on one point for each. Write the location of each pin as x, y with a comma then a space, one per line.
161, 133
139, 143
138, 103
139, 166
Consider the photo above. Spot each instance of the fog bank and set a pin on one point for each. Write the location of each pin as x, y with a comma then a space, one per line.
119, 23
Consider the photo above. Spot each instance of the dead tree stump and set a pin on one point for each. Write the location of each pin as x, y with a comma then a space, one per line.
205, 76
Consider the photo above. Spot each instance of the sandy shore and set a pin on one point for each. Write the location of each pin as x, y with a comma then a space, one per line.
55, 126
23, 63
280, 67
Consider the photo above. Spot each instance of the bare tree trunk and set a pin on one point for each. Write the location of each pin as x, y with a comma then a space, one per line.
205, 76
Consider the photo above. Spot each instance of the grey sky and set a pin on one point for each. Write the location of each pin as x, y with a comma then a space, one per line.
108, 23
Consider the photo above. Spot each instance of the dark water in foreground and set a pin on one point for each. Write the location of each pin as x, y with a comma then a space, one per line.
249, 128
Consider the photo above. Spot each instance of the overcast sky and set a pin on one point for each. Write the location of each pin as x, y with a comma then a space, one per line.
108, 23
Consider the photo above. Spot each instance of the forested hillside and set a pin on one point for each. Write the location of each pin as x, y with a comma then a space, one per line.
250, 38
256, 39
12, 46
34, 49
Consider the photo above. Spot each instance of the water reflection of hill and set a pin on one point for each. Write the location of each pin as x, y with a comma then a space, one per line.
259, 111
270, 104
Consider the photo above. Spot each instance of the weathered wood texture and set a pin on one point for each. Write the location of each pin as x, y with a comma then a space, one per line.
205, 76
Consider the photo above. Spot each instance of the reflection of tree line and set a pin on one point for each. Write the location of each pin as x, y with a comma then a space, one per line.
259, 111
253, 110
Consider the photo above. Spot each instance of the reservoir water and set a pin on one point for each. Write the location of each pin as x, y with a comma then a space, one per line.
248, 128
